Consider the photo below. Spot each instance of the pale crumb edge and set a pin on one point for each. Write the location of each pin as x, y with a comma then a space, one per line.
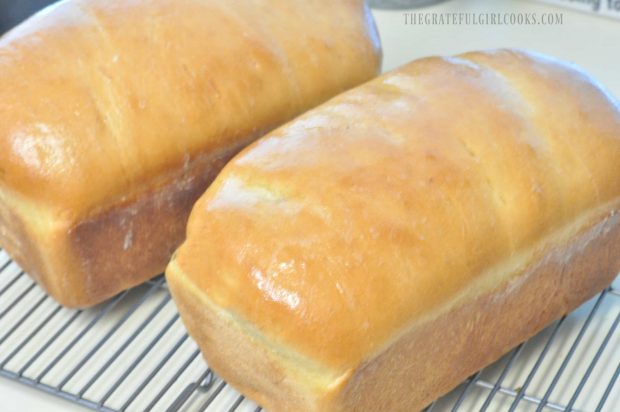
311, 373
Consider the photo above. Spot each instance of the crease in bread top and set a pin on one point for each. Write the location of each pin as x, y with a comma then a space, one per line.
337, 233
103, 96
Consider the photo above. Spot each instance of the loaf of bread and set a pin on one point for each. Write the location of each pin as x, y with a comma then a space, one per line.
369, 255
116, 115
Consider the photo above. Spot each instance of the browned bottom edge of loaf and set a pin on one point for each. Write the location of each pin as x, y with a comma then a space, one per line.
435, 356
130, 243
119, 247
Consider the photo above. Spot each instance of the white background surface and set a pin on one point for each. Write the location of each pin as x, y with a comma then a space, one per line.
590, 41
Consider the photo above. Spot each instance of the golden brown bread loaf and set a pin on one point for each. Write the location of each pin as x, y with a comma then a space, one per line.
369, 255
116, 115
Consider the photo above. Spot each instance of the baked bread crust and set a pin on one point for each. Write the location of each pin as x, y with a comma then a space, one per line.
426, 362
117, 114
398, 226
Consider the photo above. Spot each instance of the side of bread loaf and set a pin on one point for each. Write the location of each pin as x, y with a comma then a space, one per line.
367, 255
116, 115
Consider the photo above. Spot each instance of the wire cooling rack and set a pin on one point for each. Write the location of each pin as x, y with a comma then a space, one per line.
133, 354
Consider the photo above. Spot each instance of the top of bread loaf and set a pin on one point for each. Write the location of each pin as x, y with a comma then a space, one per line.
336, 233
99, 96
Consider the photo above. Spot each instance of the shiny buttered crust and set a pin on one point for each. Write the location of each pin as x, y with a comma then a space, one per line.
369, 255
116, 115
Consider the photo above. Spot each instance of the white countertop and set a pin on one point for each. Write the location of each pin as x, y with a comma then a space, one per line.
592, 42
15, 397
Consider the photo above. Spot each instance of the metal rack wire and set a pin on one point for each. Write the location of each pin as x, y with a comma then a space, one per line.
132, 354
